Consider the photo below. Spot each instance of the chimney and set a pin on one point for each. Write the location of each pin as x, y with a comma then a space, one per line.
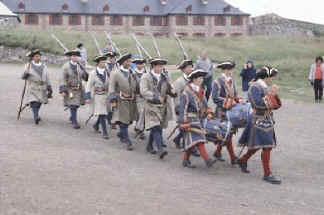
164, 2
84, 1
204, 2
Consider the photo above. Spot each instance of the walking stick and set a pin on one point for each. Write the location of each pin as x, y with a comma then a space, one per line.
21, 107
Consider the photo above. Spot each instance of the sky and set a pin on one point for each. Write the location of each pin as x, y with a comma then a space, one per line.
309, 10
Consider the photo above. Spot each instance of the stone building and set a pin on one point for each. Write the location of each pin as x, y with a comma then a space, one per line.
160, 17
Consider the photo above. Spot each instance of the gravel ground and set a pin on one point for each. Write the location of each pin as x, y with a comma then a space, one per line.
53, 169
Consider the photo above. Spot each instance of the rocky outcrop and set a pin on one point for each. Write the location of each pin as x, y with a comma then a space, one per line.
9, 54
272, 25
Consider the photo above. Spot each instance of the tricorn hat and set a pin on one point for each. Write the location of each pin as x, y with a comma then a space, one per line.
72, 53
32, 53
158, 61
111, 54
184, 64
139, 61
197, 73
123, 58
99, 58
226, 65
266, 72
80, 45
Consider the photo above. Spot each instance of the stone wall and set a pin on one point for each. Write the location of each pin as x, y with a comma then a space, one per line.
272, 24
8, 54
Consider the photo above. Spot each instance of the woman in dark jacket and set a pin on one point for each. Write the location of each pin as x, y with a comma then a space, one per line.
247, 74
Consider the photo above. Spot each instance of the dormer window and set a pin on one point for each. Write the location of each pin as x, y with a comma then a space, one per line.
21, 6
65, 7
227, 9
146, 9
106, 8
189, 9
164, 2
204, 2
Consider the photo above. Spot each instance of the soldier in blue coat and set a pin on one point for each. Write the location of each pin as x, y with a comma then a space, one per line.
225, 96
259, 133
193, 108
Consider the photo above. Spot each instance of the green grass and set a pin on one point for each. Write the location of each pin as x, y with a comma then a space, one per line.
292, 56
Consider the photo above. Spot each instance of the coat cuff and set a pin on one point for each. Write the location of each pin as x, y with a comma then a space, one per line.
272, 102
63, 89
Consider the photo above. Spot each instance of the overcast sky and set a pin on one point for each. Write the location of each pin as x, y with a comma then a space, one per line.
309, 10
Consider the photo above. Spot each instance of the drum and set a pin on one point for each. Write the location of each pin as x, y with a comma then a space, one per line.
217, 131
239, 115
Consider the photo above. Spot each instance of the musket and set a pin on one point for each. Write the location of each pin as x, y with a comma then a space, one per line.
141, 47
96, 43
112, 43
89, 119
139, 51
156, 46
21, 108
66, 49
185, 55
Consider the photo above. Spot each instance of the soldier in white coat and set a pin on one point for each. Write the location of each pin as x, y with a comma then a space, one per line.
97, 94
39, 88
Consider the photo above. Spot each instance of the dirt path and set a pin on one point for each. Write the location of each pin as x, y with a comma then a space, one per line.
54, 170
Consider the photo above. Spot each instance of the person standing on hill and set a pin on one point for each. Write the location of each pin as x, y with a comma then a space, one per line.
205, 64
247, 74
316, 78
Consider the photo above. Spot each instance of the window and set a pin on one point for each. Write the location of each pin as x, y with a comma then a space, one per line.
159, 21
146, 9
31, 19
237, 20
189, 9
236, 34
21, 6
181, 20
75, 20
55, 19
198, 20
199, 34
182, 34
105, 8
138, 20
220, 20
65, 7
98, 20
158, 34
220, 35
227, 9
116, 20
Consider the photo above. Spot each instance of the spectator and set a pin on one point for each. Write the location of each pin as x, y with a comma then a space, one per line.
316, 78
83, 52
205, 64
247, 74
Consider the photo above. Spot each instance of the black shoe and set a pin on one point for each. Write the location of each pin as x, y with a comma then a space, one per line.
130, 147
243, 166
177, 143
272, 179
219, 157
187, 163
142, 136
37, 120
163, 154
76, 126
210, 162
195, 153
164, 146
96, 129
235, 161
106, 137
151, 150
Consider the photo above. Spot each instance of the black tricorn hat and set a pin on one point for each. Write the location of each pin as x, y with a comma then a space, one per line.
184, 64
111, 54
99, 58
197, 73
158, 61
226, 65
32, 53
139, 61
80, 45
72, 53
266, 72
123, 58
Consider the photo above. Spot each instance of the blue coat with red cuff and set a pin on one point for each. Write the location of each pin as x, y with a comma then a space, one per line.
260, 132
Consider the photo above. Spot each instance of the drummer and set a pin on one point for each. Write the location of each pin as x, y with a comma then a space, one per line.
193, 108
225, 96
259, 133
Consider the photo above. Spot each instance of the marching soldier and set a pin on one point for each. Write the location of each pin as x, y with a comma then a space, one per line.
259, 133
155, 88
123, 88
139, 72
97, 93
71, 85
39, 87
193, 108
179, 85
225, 96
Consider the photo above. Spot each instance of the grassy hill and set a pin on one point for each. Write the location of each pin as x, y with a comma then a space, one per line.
292, 56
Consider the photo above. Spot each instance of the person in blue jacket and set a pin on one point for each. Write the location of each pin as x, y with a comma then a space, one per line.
247, 74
